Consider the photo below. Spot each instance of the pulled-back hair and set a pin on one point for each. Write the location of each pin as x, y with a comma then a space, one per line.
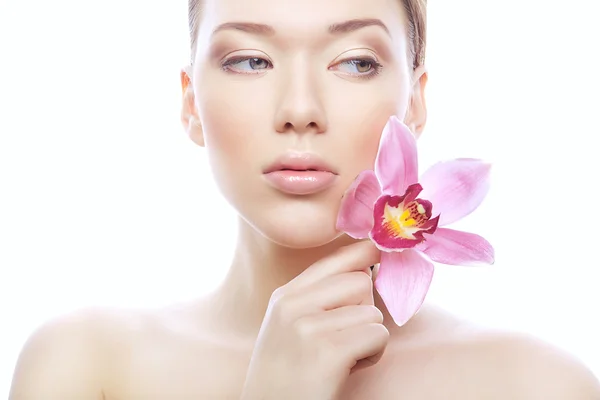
416, 14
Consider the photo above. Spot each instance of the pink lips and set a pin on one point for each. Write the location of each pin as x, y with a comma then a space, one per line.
300, 174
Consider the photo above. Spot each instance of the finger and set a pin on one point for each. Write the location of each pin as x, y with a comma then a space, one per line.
355, 257
343, 318
367, 362
364, 343
352, 288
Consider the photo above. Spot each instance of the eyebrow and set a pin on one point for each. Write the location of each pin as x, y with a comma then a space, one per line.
334, 29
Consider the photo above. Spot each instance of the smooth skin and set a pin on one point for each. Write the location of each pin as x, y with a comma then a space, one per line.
296, 317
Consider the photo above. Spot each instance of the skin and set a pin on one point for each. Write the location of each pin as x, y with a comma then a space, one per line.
307, 101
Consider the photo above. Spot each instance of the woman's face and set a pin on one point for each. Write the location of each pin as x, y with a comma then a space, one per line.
297, 76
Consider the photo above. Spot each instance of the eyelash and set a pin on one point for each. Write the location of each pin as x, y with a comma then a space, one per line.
376, 66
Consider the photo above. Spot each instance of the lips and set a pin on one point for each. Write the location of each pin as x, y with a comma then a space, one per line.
300, 174
293, 161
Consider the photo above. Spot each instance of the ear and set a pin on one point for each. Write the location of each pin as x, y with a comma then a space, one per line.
416, 115
189, 113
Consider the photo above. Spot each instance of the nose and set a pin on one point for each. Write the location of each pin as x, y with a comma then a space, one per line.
300, 108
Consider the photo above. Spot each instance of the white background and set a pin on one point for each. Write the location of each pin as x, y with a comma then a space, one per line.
103, 199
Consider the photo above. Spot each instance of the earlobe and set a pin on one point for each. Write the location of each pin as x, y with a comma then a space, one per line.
189, 114
417, 109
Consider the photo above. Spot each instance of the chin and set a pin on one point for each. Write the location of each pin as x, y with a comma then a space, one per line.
303, 239
297, 224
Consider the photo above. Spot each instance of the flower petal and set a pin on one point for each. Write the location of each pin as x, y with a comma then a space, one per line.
456, 188
402, 282
396, 165
452, 247
355, 216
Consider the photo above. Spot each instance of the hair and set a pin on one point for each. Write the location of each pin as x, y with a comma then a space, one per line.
416, 14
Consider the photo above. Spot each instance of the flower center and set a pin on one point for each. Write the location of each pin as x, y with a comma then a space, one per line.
401, 221
405, 221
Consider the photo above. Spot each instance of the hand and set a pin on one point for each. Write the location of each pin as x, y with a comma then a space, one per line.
317, 328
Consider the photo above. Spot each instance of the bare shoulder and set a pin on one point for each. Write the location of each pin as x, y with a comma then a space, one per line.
437, 355
70, 356
529, 368
467, 361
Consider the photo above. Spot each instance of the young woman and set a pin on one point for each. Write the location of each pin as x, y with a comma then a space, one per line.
299, 85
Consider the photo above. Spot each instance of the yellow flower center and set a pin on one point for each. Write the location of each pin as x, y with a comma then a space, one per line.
404, 221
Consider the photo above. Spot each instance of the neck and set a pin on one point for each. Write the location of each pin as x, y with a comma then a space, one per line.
259, 267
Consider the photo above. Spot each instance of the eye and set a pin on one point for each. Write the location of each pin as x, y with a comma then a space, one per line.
359, 67
246, 65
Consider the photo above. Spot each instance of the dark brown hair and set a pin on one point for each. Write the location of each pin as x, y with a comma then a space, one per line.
416, 13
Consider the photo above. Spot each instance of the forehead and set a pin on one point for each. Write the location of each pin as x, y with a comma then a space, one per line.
296, 16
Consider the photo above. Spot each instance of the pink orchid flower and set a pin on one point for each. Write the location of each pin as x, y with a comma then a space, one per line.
394, 209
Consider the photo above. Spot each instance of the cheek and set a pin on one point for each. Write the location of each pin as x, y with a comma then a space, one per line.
235, 131
224, 136
235, 111
220, 115
231, 120
363, 114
